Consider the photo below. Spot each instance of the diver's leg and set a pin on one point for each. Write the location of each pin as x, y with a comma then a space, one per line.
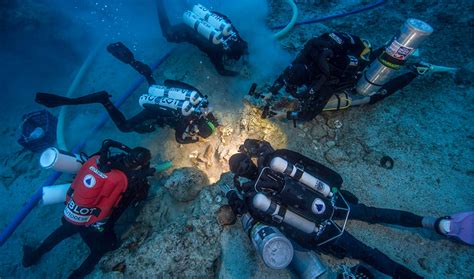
137, 123
52, 100
392, 86
383, 215
99, 243
32, 256
348, 246
172, 33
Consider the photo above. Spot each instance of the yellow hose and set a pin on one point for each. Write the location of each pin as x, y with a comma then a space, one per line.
75, 83
292, 22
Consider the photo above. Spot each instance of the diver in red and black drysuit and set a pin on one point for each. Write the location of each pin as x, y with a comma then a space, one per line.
328, 65
104, 187
190, 121
224, 53
275, 188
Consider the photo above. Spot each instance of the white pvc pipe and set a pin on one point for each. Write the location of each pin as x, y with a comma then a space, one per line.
54, 194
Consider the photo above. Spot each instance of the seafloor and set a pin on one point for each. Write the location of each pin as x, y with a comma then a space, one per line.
427, 129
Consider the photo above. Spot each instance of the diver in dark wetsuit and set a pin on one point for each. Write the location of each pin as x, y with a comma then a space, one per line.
176, 104
330, 65
224, 47
302, 199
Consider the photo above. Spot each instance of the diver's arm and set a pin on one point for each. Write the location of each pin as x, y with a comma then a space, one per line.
183, 134
313, 105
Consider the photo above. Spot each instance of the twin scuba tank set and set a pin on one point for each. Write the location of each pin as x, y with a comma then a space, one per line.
212, 26
300, 201
183, 101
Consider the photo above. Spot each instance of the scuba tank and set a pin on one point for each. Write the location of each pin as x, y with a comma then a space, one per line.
273, 247
281, 165
282, 214
61, 161
175, 93
54, 194
213, 19
307, 264
151, 102
202, 27
411, 35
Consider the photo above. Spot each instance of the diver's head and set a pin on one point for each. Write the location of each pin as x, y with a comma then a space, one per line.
295, 75
366, 51
137, 158
236, 48
241, 165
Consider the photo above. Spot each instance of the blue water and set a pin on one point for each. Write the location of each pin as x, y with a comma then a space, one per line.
427, 128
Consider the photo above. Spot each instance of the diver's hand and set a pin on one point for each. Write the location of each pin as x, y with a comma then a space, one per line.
279, 114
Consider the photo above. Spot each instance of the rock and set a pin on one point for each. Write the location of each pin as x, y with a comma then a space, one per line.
185, 184
318, 132
335, 155
225, 216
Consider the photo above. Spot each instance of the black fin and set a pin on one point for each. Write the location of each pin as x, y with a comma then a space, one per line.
50, 100
121, 52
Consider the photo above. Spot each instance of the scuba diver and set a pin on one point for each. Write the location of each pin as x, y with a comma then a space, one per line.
212, 32
104, 187
332, 72
176, 104
290, 194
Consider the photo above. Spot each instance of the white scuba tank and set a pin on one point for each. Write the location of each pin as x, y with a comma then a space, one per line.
61, 161
202, 27
175, 93
148, 101
264, 204
55, 194
281, 165
213, 19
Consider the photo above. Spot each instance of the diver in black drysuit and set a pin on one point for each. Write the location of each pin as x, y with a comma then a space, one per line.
344, 246
100, 237
329, 64
188, 129
217, 53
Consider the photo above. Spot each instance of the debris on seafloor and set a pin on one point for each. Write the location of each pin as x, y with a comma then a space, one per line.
225, 216
184, 184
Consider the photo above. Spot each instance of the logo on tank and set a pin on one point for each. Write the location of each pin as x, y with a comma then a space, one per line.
89, 181
318, 206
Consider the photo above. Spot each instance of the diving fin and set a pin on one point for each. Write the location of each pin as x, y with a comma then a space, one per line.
179, 84
121, 52
462, 226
